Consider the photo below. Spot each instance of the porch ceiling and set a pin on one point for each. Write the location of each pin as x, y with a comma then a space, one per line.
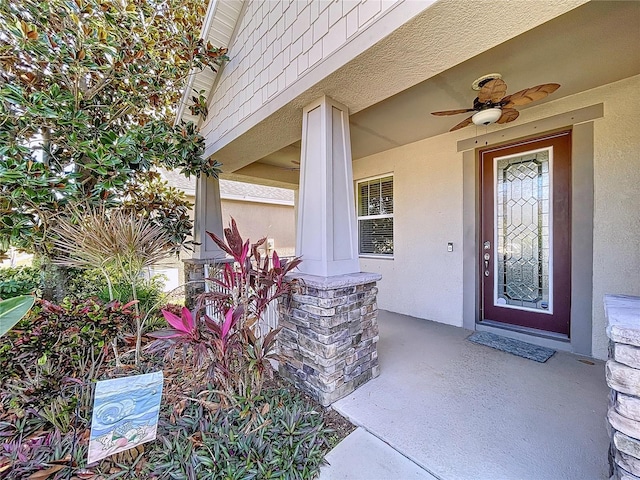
592, 45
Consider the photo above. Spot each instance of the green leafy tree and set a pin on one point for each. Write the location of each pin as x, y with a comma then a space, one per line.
88, 93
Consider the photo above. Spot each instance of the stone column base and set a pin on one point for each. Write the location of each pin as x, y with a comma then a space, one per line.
623, 377
329, 336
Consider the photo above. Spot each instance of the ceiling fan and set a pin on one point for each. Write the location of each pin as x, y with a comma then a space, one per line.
492, 105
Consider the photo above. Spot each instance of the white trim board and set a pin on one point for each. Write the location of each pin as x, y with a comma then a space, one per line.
561, 120
247, 198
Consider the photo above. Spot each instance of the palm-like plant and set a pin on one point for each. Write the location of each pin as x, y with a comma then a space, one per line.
113, 241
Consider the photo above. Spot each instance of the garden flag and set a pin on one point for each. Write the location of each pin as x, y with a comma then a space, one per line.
125, 414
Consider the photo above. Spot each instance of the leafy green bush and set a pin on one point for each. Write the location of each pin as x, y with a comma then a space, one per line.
148, 292
19, 281
275, 436
85, 283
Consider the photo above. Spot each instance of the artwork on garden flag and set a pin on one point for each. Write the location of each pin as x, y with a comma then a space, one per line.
125, 414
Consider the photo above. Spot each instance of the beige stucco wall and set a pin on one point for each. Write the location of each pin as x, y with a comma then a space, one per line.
425, 281
616, 237
257, 220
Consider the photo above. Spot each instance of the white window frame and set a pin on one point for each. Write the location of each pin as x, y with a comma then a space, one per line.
388, 256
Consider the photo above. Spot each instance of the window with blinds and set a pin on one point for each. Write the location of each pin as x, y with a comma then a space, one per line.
375, 216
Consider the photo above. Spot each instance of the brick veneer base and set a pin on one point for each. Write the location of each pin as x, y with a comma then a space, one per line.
329, 335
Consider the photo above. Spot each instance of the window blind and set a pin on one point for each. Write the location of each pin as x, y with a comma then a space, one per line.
375, 216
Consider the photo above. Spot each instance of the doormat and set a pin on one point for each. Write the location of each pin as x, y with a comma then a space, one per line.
510, 345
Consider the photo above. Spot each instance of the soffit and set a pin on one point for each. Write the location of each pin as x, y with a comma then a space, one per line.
592, 45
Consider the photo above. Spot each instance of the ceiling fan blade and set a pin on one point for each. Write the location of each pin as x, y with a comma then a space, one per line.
494, 90
529, 95
452, 112
462, 124
508, 115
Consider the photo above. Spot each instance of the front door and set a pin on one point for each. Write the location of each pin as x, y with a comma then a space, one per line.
525, 249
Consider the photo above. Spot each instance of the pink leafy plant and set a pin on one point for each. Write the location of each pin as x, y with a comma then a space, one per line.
231, 341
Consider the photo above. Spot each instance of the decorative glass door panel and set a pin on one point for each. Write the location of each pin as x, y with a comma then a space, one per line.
525, 257
523, 232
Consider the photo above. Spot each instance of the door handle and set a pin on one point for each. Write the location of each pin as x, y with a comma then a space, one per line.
487, 256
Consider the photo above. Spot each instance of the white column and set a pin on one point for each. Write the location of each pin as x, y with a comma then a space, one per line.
326, 227
208, 218
296, 212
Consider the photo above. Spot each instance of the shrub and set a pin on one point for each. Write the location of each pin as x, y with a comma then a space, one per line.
55, 343
19, 281
50, 452
85, 283
48, 364
120, 245
234, 429
231, 343
149, 292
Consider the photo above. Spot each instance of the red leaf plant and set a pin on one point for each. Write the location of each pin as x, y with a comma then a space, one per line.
233, 343
183, 326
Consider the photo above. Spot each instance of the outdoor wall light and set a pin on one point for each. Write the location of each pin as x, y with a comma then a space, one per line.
485, 117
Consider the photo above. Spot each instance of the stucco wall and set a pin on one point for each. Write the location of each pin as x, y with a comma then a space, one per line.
425, 280
257, 220
616, 236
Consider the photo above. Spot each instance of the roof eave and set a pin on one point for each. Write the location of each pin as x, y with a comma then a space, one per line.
220, 37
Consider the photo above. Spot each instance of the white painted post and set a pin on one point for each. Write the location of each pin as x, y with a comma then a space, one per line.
208, 218
326, 227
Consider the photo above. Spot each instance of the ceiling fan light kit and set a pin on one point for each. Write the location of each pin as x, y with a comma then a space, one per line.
493, 105
486, 117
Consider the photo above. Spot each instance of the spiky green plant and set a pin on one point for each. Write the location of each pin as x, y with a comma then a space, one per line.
277, 435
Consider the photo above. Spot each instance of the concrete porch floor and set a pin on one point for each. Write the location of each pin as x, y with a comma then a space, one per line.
463, 411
